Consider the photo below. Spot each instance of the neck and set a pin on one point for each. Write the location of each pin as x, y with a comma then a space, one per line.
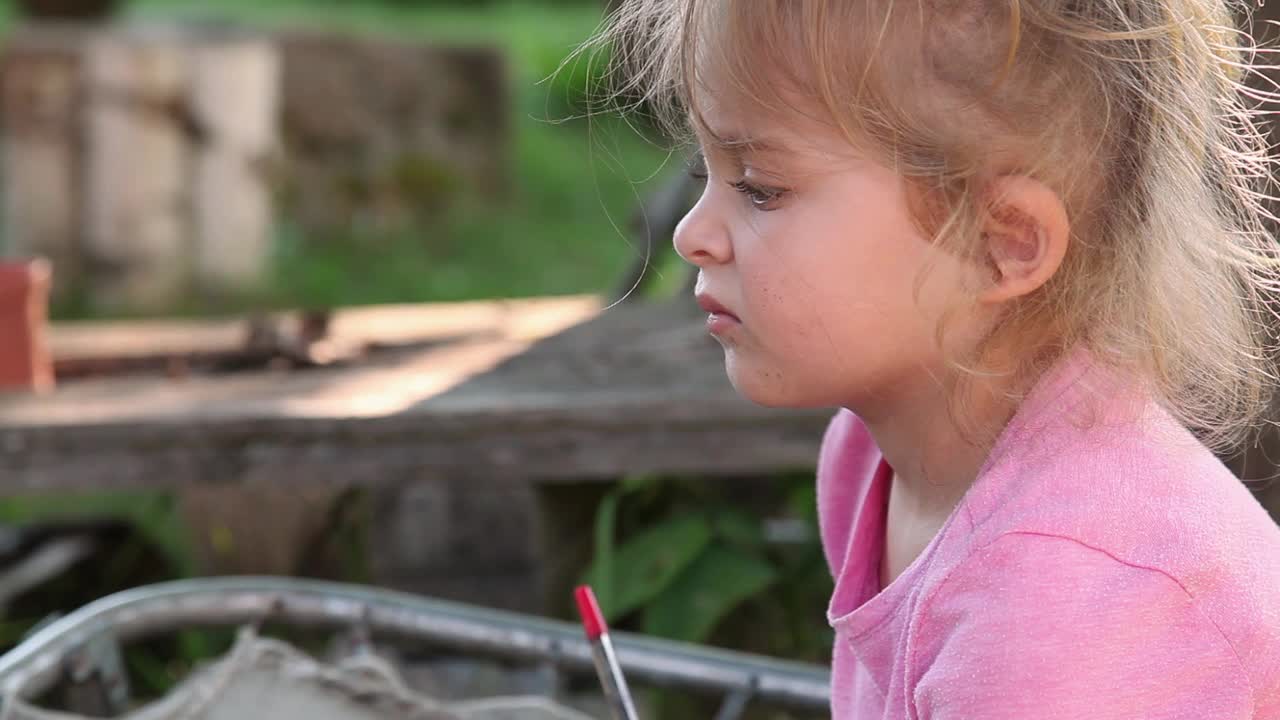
935, 462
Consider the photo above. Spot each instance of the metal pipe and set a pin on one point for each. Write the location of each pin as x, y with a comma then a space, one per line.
34, 665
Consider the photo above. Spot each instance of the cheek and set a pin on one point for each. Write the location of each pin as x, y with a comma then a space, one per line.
845, 286
805, 316
782, 291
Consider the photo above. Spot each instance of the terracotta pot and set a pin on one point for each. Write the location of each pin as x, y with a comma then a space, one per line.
25, 362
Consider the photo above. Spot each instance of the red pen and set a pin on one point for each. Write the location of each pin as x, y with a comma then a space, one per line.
606, 661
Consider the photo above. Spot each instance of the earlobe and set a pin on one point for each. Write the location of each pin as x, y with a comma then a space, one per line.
1026, 236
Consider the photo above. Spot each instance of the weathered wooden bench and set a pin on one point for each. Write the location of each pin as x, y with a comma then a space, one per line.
473, 409
537, 389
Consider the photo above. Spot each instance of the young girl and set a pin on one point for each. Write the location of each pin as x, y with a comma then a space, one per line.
1022, 244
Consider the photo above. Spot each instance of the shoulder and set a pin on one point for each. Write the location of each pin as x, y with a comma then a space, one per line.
1024, 572
1053, 627
847, 462
1145, 495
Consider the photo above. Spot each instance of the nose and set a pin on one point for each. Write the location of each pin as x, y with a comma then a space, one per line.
701, 237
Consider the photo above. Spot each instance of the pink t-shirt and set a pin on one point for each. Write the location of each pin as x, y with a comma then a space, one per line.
1103, 565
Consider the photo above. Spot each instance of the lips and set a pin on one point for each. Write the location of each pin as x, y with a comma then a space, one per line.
719, 319
709, 304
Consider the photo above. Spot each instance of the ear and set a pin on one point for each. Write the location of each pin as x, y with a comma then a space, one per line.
1026, 235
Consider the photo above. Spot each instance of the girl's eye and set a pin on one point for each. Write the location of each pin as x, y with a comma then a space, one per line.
760, 197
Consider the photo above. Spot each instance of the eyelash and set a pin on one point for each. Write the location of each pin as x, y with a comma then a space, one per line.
759, 196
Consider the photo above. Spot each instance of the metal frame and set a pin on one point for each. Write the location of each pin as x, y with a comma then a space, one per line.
39, 661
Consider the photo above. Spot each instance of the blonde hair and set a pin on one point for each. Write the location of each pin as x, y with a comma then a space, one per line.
1137, 112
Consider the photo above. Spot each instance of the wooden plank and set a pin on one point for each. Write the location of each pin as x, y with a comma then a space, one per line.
527, 319
566, 443
635, 389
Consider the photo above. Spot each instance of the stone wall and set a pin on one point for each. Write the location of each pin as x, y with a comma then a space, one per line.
379, 133
150, 164
133, 159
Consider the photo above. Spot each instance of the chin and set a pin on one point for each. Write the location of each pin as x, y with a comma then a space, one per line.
771, 388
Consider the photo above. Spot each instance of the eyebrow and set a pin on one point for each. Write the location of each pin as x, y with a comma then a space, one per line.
739, 145
760, 143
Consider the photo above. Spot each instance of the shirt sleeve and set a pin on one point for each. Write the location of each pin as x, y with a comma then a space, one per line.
1043, 626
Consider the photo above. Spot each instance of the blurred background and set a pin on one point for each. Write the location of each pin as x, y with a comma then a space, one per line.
315, 288
411, 150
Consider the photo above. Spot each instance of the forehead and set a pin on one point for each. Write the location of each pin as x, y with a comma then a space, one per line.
732, 129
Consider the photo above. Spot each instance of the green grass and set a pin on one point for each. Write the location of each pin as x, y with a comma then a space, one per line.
560, 233
575, 182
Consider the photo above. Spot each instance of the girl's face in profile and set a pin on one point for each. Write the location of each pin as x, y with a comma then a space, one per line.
810, 252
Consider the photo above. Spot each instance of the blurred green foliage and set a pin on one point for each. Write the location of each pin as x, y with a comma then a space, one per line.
575, 179
153, 513
693, 559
